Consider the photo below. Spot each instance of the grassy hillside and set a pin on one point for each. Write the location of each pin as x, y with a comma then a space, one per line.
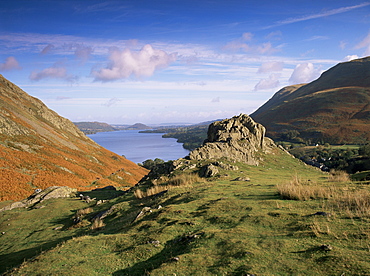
39, 148
334, 108
287, 219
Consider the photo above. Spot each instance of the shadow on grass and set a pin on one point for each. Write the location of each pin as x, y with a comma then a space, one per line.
14, 259
171, 252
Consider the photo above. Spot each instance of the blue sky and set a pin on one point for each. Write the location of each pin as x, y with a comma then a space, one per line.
173, 61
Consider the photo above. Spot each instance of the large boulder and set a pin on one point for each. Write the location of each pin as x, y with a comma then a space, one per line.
40, 195
237, 139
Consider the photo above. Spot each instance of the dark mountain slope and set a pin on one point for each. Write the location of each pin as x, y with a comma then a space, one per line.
39, 148
334, 108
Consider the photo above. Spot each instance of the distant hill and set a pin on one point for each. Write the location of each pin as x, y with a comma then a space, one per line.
335, 108
39, 148
139, 126
94, 127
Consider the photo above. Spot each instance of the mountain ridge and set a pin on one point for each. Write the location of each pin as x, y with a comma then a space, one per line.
334, 108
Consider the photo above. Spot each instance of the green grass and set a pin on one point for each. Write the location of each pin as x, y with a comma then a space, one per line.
215, 227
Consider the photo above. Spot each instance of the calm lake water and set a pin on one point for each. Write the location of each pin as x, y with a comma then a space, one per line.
139, 147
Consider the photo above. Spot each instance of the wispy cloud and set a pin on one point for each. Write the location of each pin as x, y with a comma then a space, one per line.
111, 102
241, 44
47, 49
318, 15
365, 43
54, 72
10, 64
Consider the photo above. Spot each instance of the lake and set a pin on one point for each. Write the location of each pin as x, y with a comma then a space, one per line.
139, 147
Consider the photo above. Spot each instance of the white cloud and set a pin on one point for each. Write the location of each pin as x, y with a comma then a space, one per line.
126, 63
10, 64
54, 72
350, 57
365, 43
269, 83
271, 67
303, 73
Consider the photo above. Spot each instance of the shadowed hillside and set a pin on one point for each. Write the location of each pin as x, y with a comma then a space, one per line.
334, 108
39, 148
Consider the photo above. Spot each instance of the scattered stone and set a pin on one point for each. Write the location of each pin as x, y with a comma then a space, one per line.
2, 233
58, 228
143, 211
155, 243
175, 259
106, 213
99, 202
326, 247
189, 238
242, 179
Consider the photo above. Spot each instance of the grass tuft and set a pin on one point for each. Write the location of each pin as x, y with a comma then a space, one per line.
338, 176
297, 189
353, 203
168, 183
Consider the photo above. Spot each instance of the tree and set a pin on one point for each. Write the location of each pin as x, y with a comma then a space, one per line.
364, 150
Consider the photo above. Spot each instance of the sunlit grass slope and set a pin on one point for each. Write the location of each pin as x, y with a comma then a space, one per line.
224, 225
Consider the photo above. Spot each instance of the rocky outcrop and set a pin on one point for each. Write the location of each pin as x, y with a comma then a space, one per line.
40, 195
237, 139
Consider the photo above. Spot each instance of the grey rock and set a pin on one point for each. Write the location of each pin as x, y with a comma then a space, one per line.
40, 196
237, 139
209, 171
242, 179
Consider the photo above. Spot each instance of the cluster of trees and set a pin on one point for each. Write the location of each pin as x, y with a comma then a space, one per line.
191, 137
150, 164
351, 160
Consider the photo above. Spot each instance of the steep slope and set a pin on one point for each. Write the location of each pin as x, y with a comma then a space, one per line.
334, 108
39, 148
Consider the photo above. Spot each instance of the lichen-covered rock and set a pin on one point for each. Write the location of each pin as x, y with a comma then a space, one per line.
238, 139
209, 171
40, 195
